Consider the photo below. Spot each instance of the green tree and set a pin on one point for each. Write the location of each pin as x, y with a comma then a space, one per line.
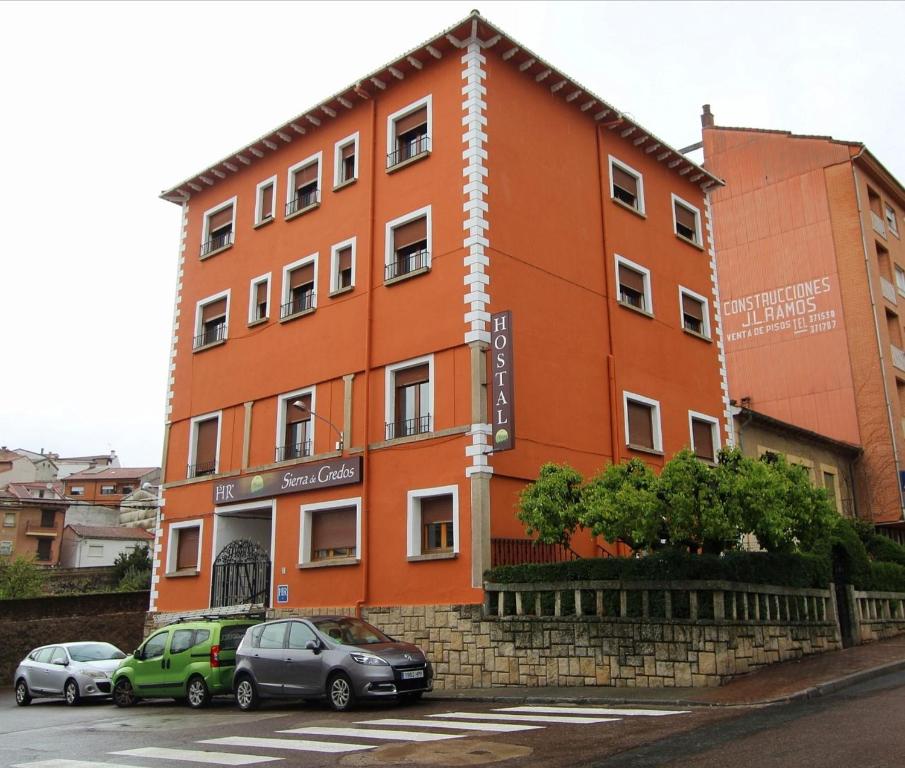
20, 578
552, 505
133, 569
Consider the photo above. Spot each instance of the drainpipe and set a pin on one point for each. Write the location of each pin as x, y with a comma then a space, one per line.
369, 311
873, 304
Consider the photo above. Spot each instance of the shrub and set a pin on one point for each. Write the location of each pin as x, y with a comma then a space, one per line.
884, 577
20, 578
135, 580
884, 549
138, 558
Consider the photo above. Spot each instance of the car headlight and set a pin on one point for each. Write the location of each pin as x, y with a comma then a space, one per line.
367, 658
94, 674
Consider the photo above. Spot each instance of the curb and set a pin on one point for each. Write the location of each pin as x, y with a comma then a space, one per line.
839, 683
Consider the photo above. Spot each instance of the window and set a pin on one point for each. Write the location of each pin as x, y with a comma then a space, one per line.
127, 489
259, 299
299, 281
108, 490
433, 521
832, 491
295, 428
695, 312
408, 243
43, 551
891, 220
894, 329
95, 550
6, 547
182, 640
634, 285
342, 266
345, 161
303, 193
331, 531
409, 398
642, 422
48, 518
705, 435
218, 228
204, 446
184, 546
626, 185
9, 519
211, 322
300, 635
686, 220
58, 656
900, 279
77, 490
154, 647
270, 636
265, 196
409, 134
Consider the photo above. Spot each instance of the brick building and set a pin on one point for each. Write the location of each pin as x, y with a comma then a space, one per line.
108, 486
335, 416
32, 521
812, 272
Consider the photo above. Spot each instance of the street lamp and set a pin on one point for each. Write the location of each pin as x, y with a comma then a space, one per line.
302, 406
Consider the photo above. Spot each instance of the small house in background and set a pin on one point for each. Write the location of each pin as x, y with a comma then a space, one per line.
32, 521
92, 546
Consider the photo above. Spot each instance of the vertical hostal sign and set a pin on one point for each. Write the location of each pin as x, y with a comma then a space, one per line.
501, 359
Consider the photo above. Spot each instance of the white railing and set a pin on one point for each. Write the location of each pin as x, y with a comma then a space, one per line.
889, 290
880, 606
898, 357
879, 225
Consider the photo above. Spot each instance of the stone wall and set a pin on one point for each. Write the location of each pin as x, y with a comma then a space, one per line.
115, 617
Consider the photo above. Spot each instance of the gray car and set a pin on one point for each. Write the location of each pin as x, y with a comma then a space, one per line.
338, 657
73, 671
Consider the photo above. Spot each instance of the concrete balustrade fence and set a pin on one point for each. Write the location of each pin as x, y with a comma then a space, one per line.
878, 615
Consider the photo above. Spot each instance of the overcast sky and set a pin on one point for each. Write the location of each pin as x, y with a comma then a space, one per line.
107, 104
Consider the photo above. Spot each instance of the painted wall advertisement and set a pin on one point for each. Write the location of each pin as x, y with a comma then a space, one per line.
798, 309
502, 403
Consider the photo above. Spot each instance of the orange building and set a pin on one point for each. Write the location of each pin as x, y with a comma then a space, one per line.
336, 419
811, 272
108, 486
33, 518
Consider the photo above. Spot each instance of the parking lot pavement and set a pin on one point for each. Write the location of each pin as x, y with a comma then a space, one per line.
163, 734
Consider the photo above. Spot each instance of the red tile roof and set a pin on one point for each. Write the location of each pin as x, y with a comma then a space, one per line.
110, 532
112, 473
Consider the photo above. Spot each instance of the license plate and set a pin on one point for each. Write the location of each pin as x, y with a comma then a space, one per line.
412, 673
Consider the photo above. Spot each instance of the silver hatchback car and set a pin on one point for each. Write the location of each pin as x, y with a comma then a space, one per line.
339, 657
73, 671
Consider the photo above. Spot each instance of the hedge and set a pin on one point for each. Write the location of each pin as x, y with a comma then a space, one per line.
885, 549
783, 570
884, 577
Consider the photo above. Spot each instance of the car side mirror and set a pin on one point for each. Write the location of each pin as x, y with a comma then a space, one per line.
137, 654
61, 663
313, 645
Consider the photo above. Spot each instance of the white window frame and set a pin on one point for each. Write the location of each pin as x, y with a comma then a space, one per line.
6, 547
656, 428
698, 234
305, 512
390, 387
77, 490
413, 518
714, 428
645, 274
201, 304
900, 285
7, 516
252, 295
334, 264
205, 227
683, 291
390, 237
110, 492
93, 550
637, 174
338, 181
892, 221
284, 289
172, 540
317, 157
259, 199
407, 110
193, 439
283, 403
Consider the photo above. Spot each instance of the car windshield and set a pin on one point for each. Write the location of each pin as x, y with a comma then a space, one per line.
351, 631
95, 652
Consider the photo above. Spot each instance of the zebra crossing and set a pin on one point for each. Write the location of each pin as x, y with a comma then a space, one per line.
365, 735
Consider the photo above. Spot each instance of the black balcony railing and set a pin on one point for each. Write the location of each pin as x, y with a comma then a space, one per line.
403, 264
305, 198
202, 468
210, 336
217, 241
299, 304
407, 427
293, 451
406, 150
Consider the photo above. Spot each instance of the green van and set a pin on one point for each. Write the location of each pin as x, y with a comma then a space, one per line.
189, 661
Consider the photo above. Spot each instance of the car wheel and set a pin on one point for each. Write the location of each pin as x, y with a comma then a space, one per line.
71, 692
197, 693
339, 692
123, 693
246, 694
23, 697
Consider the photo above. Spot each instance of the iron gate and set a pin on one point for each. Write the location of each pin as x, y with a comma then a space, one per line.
241, 575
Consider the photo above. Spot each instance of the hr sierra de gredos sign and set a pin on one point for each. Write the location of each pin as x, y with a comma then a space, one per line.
305, 477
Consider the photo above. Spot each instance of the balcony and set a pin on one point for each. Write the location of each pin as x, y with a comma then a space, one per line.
405, 265
202, 468
305, 200
407, 427
298, 306
217, 242
39, 529
209, 336
889, 290
409, 150
878, 224
898, 357
293, 451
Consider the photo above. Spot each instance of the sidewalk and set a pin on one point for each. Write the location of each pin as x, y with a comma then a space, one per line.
789, 681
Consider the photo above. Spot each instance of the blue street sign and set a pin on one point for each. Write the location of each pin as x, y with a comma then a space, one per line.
282, 593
